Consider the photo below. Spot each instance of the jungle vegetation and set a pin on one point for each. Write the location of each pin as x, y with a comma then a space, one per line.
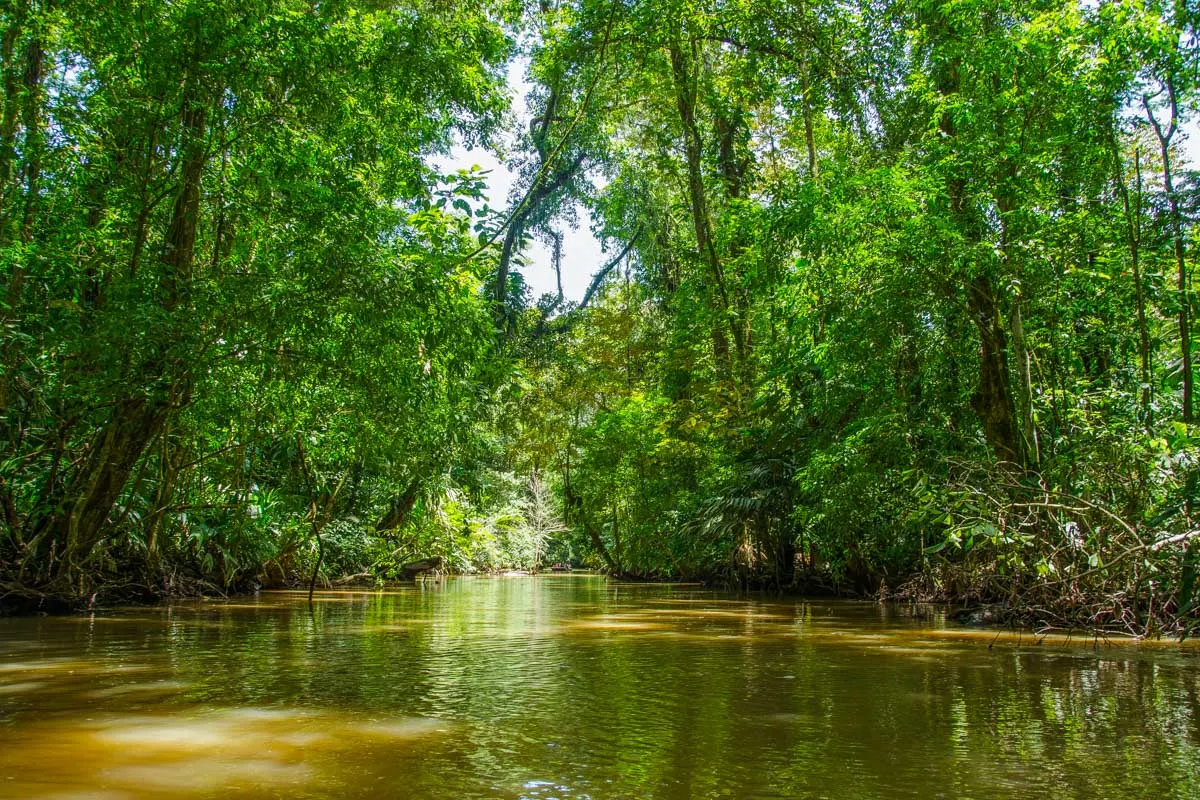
898, 303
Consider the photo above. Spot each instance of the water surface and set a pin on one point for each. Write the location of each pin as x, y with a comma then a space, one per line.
578, 687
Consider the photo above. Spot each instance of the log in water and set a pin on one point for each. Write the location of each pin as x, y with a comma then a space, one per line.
579, 687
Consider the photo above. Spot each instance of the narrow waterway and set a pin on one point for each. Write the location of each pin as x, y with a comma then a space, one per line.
579, 687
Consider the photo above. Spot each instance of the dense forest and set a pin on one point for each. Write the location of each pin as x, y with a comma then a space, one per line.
897, 299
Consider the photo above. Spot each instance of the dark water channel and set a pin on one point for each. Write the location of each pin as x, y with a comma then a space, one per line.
577, 687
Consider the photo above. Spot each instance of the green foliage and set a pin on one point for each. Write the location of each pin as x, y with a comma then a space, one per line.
901, 296
220, 238
907, 271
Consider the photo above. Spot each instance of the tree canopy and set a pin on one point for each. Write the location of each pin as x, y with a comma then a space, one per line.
897, 298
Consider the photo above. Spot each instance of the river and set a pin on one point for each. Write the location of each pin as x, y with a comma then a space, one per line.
579, 687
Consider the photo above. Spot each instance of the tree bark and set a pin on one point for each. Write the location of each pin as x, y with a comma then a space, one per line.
810, 141
170, 463
1029, 434
1165, 137
574, 507
314, 516
993, 399
31, 171
97, 485
685, 98
137, 418
179, 251
8, 117
1132, 210
399, 508
1005, 204
410, 571
538, 194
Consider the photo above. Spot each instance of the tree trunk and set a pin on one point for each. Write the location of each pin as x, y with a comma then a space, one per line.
1132, 210
96, 487
993, 399
410, 571
574, 503
511, 238
601, 547
8, 117
399, 508
1005, 204
1029, 434
315, 517
1176, 217
179, 251
32, 113
170, 463
733, 172
137, 418
810, 141
31, 116
685, 97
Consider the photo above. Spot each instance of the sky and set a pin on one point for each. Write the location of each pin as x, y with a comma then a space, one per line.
582, 254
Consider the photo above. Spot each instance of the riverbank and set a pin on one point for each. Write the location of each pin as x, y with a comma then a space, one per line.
1002, 619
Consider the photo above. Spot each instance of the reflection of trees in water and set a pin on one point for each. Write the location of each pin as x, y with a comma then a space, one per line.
521, 687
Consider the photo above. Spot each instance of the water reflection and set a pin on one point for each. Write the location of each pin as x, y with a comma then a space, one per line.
568, 686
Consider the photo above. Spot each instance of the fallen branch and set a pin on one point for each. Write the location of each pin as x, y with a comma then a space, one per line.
342, 581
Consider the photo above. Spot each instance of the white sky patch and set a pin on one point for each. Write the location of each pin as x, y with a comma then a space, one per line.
1189, 136
582, 254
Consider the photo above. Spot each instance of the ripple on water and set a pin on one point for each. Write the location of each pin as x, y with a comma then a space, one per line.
24, 686
169, 754
205, 773
146, 688
520, 688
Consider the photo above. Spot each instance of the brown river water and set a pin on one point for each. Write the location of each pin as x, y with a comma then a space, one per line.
580, 687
